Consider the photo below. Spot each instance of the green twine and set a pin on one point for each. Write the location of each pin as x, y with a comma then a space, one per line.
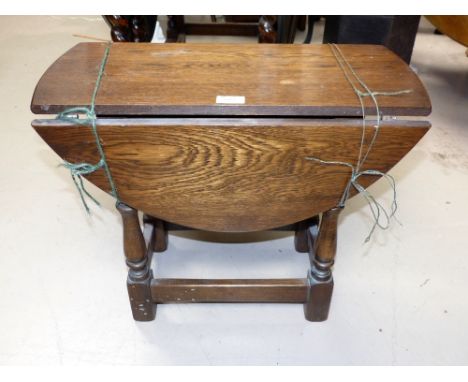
350, 73
377, 209
77, 170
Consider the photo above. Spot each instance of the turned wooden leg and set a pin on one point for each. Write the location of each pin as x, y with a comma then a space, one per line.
120, 28
161, 237
301, 236
267, 29
322, 254
139, 272
131, 28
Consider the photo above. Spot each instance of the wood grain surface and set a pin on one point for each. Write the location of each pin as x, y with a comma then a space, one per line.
455, 27
229, 290
185, 79
230, 174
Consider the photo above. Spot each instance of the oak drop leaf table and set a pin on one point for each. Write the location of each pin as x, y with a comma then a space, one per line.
216, 137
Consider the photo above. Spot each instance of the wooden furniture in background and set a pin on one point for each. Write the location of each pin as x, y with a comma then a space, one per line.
178, 28
131, 28
269, 29
228, 167
397, 33
455, 27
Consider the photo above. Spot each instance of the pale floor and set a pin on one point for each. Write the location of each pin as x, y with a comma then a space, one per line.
401, 299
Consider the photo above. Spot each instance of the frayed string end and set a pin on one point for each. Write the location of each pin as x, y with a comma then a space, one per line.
381, 215
77, 170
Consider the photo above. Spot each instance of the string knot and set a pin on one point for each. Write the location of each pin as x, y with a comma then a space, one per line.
72, 115
77, 170
378, 211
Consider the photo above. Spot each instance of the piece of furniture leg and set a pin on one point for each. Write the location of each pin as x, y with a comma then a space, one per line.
174, 154
267, 29
160, 231
139, 272
229, 290
322, 255
131, 28
301, 237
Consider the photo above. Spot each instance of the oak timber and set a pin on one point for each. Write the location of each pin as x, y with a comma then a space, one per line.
275, 79
230, 175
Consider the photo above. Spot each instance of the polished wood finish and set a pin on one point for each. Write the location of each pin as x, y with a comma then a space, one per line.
267, 28
325, 245
139, 273
322, 250
455, 27
134, 243
235, 290
230, 175
131, 28
275, 79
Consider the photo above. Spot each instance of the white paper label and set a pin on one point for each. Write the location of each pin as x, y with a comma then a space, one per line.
239, 100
